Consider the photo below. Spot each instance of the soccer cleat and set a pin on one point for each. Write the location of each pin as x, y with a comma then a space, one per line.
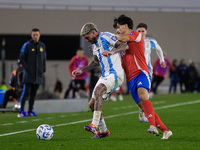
121, 97
32, 113
22, 114
113, 98
101, 135
91, 128
142, 117
166, 135
153, 130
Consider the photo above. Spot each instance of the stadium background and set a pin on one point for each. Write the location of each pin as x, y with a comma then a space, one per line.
174, 24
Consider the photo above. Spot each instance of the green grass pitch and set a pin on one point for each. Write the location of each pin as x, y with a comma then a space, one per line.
180, 113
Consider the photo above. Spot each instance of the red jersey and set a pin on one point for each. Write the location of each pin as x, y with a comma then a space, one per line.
133, 59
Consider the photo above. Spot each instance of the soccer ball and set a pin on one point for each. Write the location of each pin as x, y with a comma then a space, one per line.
44, 132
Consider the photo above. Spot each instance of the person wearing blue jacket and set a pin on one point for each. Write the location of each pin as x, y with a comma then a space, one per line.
32, 57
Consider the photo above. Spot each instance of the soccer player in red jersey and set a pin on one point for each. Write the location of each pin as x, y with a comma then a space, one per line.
137, 72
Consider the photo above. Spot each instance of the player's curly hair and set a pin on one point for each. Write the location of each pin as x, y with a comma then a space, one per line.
122, 20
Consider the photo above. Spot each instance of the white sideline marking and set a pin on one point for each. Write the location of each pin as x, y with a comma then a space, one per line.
7, 124
36, 119
112, 116
22, 122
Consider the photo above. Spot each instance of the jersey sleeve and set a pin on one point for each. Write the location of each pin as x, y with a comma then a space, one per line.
159, 51
109, 38
135, 36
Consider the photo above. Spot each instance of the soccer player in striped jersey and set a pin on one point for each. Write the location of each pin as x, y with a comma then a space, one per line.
149, 45
137, 72
112, 72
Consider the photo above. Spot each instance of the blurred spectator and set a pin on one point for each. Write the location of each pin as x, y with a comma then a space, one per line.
58, 86
17, 86
183, 76
192, 77
174, 77
94, 77
3, 86
159, 73
197, 85
77, 62
33, 59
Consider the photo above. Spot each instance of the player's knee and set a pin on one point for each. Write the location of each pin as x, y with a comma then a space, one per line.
100, 90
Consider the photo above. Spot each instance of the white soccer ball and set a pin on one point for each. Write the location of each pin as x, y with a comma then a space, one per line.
44, 132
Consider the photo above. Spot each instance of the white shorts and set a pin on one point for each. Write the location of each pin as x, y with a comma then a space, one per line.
111, 82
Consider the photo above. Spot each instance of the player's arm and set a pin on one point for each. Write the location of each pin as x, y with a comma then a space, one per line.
160, 55
123, 37
121, 46
90, 66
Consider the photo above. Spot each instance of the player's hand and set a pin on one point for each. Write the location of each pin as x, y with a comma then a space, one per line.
106, 53
163, 65
90, 48
76, 72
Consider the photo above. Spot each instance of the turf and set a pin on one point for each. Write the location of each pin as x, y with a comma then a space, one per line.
127, 133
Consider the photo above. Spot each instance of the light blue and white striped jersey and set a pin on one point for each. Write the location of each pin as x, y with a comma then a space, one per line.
112, 63
149, 44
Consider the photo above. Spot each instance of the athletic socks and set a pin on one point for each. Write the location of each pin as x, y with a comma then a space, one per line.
159, 123
102, 126
149, 112
96, 118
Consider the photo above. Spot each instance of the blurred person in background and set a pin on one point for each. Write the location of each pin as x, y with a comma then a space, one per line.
174, 76
192, 76
95, 74
149, 45
33, 59
197, 85
160, 73
17, 86
77, 62
117, 91
183, 76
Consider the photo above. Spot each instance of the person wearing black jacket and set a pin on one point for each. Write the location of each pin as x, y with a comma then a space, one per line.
17, 86
32, 57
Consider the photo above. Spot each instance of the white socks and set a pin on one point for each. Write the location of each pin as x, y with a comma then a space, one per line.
102, 126
96, 118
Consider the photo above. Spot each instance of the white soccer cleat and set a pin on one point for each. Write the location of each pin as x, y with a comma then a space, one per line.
113, 98
153, 130
121, 97
142, 117
166, 135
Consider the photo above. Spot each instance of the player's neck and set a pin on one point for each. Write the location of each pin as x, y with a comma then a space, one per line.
128, 31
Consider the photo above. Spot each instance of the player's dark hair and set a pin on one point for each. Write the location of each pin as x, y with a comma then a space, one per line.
35, 30
142, 25
122, 20
80, 48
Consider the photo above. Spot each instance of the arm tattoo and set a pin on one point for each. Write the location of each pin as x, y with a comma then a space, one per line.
92, 65
121, 46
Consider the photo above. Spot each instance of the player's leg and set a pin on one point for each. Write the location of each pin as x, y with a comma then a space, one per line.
143, 87
113, 96
25, 94
133, 91
33, 91
121, 93
166, 132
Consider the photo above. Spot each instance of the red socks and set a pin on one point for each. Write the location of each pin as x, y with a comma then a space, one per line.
152, 116
159, 123
149, 112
